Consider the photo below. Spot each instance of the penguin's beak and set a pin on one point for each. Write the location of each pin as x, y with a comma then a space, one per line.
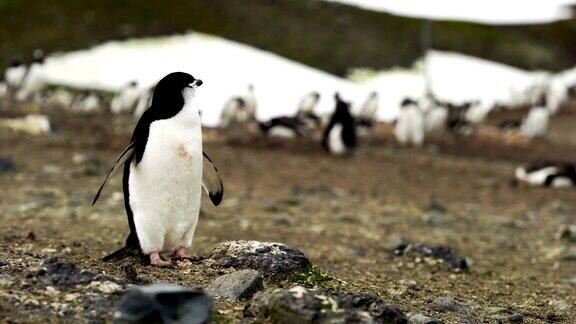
198, 82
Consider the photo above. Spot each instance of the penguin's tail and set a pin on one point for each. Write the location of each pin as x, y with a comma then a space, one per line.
119, 254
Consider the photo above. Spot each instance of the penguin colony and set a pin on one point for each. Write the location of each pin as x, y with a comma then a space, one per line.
338, 132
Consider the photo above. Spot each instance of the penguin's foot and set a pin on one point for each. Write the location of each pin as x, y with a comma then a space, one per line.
156, 261
181, 253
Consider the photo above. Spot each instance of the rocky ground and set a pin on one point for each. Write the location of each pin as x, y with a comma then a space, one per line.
388, 235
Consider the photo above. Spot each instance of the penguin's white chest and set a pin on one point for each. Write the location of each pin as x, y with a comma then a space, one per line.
335, 142
282, 132
165, 187
436, 119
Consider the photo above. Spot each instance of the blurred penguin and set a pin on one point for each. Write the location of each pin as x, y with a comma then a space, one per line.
235, 112
250, 101
435, 114
309, 103
556, 93
15, 74
87, 102
366, 118
126, 99
546, 173
340, 134
286, 127
410, 124
34, 82
307, 111
239, 110
61, 98
538, 119
144, 101
477, 112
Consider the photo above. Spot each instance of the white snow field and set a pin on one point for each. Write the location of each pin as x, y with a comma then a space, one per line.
226, 67
458, 78
491, 12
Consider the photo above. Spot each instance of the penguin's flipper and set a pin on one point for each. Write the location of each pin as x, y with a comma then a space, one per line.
211, 181
122, 158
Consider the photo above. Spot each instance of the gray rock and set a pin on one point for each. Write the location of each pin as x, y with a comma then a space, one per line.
380, 311
66, 274
421, 319
6, 165
398, 246
566, 233
301, 305
504, 314
451, 259
271, 259
447, 304
433, 218
236, 285
164, 303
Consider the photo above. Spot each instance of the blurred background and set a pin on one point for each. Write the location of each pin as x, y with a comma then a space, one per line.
338, 126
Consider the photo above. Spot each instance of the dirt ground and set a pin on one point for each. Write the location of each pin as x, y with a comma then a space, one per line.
342, 212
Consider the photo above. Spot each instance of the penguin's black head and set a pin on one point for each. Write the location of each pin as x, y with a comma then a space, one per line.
342, 111
542, 101
408, 102
173, 91
38, 56
15, 61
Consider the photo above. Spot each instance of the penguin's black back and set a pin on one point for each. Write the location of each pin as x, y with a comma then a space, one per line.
343, 117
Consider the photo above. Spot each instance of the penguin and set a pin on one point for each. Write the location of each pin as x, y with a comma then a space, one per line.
34, 82
309, 103
15, 74
410, 124
126, 99
477, 112
164, 174
286, 127
367, 116
86, 102
250, 101
435, 114
340, 134
235, 112
61, 98
545, 173
538, 119
240, 109
307, 111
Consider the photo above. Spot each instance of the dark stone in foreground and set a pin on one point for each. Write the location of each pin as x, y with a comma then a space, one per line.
236, 285
451, 258
66, 274
164, 303
271, 259
6, 165
301, 305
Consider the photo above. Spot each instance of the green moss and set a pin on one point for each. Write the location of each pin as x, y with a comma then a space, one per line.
309, 277
220, 319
